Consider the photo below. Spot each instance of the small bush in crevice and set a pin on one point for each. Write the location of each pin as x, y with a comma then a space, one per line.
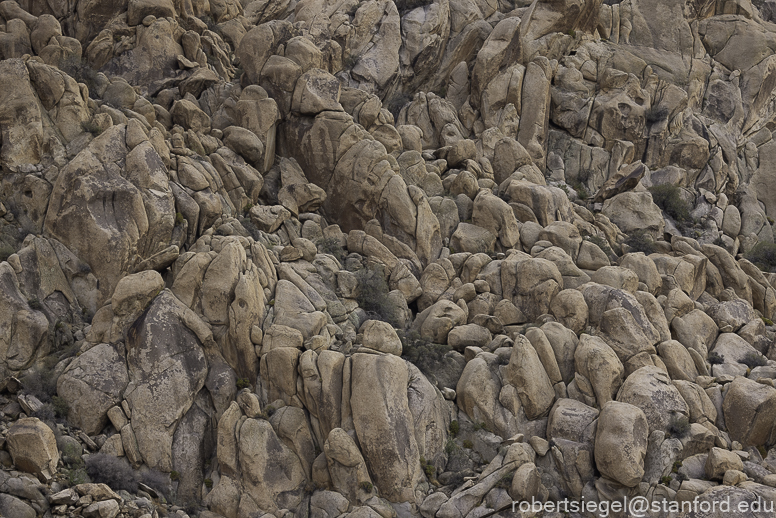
41, 383
110, 470
366, 486
158, 481
396, 102
763, 255
669, 198
428, 468
425, 355
641, 241
373, 296
92, 128
679, 426
601, 243
77, 476
332, 246
754, 359
715, 358
656, 114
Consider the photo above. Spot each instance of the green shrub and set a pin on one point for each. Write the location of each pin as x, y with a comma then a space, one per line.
468, 444
679, 426
61, 408
450, 446
208, 483
767, 321
715, 358
179, 219
243, 383
676, 466
428, 468
641, 241
71, 456
425, 355
454, 428
666, 480
77, 476
763, 255
601, 243
754, 359
580, 189
669, 198
366, 486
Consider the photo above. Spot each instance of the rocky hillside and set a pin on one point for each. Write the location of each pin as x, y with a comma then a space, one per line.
385, 258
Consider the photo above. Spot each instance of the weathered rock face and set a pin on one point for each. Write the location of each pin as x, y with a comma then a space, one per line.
92, 384
336, 258
384, 423
33, 447
97, 205
167, 368
621, 443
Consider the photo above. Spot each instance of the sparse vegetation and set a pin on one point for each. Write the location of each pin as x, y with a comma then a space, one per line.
159, 481
331, 246
763, 255
366, 486
41, 383
428, 468
91, 127
468, 444
754, 359
208, 483
656, 114
110, 470
454, 428
425, 355
243, 383
666, 480
601, 243
669, 198
60, 407
679, 426
373, 295
641, 241
715, 358
396, 102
